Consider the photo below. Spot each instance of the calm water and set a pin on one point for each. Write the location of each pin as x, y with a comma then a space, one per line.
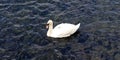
23, 32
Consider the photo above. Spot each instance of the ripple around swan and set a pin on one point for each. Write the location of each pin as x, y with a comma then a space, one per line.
23, 33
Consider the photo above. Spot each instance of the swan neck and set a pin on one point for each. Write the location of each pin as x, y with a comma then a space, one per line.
50, 29
51, 26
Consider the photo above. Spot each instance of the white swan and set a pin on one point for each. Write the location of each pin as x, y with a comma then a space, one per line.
61, 30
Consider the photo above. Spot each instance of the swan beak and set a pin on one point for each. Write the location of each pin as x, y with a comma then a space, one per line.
47, 26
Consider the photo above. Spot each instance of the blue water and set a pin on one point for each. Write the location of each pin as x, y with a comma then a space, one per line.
23, 32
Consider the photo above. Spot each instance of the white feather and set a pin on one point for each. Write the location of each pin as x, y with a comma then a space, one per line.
64, 30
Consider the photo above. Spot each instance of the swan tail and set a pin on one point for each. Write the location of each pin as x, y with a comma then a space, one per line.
78, 25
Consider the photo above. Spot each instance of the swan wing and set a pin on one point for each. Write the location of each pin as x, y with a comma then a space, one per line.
64, 30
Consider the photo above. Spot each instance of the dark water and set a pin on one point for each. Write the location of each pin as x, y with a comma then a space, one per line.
23, 33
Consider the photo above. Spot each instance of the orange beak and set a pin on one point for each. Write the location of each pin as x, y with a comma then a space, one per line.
47, 26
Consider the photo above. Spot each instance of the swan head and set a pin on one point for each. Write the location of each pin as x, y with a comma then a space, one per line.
49, 23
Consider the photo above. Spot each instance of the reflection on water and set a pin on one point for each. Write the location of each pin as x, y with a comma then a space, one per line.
23, 33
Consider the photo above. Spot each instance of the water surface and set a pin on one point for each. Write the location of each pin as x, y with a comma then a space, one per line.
23, 33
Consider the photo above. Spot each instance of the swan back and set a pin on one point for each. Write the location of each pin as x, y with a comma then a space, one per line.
64, 30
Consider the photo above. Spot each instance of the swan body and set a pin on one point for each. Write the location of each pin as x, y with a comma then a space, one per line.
61, 30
